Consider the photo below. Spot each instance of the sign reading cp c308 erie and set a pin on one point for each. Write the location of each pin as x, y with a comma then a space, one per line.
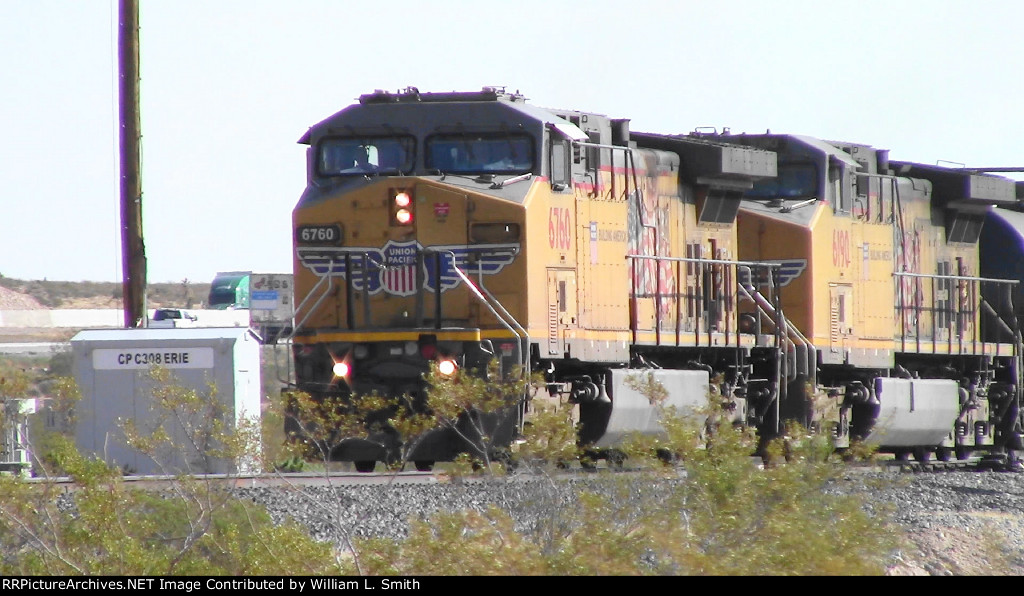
145, 358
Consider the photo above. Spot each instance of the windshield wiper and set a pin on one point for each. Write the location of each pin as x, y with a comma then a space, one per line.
512, 180
790, 208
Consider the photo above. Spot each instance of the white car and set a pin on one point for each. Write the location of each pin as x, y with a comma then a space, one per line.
172, 317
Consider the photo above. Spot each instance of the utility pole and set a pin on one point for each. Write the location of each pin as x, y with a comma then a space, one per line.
133, 250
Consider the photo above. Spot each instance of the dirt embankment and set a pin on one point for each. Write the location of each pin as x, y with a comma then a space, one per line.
19, 294
67, 295
11, 300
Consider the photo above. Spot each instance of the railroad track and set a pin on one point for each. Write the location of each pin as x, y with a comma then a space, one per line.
282, 479
979, 464
352, 478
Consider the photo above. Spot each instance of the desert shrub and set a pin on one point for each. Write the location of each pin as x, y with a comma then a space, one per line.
713, 513
727, 516
102, 527
99, 525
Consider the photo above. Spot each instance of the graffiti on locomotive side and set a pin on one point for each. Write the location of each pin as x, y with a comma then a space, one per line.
645, 221
910, 290
559, 228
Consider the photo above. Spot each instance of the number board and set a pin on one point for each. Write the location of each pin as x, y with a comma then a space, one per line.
319, 235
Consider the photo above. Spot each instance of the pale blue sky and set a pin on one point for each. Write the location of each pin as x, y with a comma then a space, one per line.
229, 86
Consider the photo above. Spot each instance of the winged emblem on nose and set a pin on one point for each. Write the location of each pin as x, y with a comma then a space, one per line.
399, 268
788, 271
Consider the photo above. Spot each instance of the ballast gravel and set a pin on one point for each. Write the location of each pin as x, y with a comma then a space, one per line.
957, 522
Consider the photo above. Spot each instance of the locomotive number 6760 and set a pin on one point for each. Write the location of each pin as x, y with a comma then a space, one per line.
318, 234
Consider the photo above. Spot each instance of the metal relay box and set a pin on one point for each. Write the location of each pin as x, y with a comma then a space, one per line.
113, 370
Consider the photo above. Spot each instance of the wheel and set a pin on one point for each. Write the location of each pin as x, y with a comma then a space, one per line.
505, 458
902, 456
666, 457
424, 465
943, 453
365, 466
616, 459
589, 459
962, 453
922, 455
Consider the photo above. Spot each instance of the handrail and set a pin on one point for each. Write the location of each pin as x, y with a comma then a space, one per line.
480, 296
523, 338
975, 304
312, 292
793, 333
764, 305
957, 277
768, 264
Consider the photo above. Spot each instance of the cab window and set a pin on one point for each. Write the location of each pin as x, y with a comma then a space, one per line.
794, 180
479, 153
343, 156
559, 165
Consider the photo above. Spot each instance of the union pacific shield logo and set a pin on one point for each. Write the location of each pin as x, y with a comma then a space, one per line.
398, 272
393, 268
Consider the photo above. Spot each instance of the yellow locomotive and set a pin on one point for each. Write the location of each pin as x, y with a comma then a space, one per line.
938, 370
466, 228
458, 228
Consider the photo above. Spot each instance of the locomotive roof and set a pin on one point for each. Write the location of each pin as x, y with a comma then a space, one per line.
1014, 219
413, 95
828, 148
707, 160
816, 144
958, 185
406, 109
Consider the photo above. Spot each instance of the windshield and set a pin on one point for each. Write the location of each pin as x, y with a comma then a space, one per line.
342, 156
221, 298
795, 180
480, 154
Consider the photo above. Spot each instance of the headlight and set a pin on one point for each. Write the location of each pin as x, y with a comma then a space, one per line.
446, 367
